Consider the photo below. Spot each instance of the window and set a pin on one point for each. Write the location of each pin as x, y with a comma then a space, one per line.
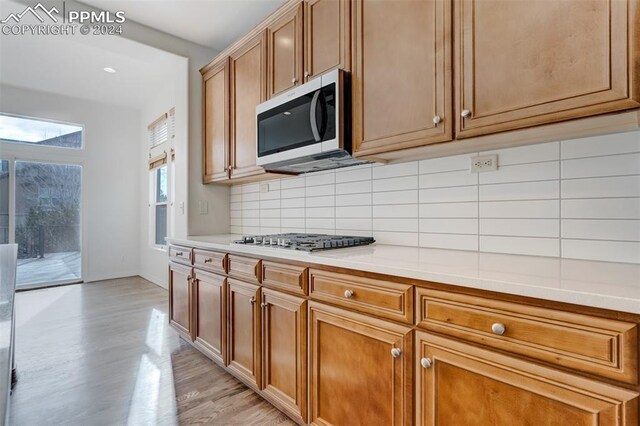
159, 203
31, 131
158, 131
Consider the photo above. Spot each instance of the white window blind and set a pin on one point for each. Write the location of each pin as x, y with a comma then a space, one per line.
159, 131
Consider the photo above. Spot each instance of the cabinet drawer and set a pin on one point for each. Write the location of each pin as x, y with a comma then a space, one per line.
210, 260
180, 254
381, 298
582, 342
290, 278
244, 268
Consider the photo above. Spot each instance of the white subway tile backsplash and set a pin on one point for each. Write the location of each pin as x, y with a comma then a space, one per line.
603, 229
619, 143
620, 186
601, 208
520, 245
612, 165
395, 224
527, 154
608, 251
523, 173
448, 195
444, 210
448, 179
395, 211
520, 209
396, 184
445, 164
448, 226
395, 170
449, 241
520, 191
585, 205
549, 228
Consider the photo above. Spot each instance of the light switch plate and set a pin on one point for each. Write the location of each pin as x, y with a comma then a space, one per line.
484, 163
204, 207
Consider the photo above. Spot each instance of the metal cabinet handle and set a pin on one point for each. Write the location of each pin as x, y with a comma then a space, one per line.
437, 120
208, 260
307, 74
426, 362
294, 80
348, 294
465, 113
498, 328
179, 253
264, 305
395, 352
252, 300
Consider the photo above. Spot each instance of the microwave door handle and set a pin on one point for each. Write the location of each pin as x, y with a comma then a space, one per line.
312, 116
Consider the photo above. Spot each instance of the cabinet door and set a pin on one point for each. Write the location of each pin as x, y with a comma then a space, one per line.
210, 314
284, 351
243, 305
285, 51
459, 384
523, 63
248, 89
180, 298
354, 377
215, 123
401, 77
327, 30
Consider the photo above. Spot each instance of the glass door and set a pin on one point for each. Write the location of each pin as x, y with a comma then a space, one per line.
47, 223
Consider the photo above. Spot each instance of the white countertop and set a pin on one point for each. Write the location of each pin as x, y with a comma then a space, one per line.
605, 285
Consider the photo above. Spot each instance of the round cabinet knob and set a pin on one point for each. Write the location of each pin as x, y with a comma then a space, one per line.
498, 329
252, 300
465, 113
294, 80
437, 120
426, 362
395, 352
348, 294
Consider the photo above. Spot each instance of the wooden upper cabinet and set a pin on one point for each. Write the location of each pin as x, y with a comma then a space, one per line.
180, 298
247, 68
210, 314
459, 384
360, 369
284, 352
243, 314
401, 78
327, 30
215, 123
285, 51
523, 63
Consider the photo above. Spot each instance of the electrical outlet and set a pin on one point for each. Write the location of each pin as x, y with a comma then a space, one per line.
484, 163
264, 188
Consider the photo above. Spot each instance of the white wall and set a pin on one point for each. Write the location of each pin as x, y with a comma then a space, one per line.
111, 165
576, 199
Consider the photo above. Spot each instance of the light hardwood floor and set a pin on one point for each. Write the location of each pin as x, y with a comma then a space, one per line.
104, 354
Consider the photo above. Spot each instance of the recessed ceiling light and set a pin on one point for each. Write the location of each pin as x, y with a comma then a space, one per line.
109, 69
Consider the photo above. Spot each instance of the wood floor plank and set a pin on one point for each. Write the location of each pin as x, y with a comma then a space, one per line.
104, 354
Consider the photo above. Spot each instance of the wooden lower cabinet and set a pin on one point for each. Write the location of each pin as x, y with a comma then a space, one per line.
284, 352
360, 369
180, 310
209, 291
460, 384
243, 330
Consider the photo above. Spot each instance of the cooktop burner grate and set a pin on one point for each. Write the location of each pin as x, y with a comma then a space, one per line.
305, 242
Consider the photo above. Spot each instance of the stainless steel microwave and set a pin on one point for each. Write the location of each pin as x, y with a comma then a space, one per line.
306, 128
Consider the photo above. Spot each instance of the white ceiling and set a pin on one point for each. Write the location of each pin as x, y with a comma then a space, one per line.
211, 23
73, 66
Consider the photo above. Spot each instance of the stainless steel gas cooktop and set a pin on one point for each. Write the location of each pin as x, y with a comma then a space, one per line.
305, 242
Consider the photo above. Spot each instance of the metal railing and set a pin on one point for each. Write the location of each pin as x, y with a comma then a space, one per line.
36, 241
